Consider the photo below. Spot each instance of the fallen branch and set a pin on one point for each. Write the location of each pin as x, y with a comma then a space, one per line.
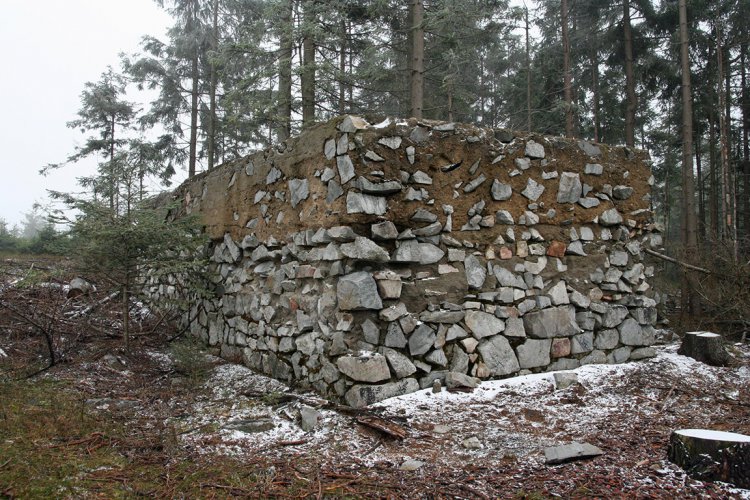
85, 311
678, 262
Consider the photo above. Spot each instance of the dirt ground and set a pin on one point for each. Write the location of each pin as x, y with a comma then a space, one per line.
166, 418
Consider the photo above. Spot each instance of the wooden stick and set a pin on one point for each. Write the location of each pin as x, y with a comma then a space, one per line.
678, 262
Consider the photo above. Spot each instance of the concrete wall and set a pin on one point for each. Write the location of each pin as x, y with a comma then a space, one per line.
368, 261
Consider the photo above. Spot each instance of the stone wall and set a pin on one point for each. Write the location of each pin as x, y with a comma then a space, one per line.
367, 261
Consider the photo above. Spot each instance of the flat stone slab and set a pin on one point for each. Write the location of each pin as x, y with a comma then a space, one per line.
570, 452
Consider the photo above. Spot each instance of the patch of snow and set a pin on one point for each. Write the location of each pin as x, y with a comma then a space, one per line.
3, 354
384, 124
714, 435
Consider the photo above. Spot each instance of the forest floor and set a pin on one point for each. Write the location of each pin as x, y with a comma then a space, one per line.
168, 418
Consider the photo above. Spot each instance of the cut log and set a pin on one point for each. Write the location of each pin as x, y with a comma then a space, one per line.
705, 347
712, 455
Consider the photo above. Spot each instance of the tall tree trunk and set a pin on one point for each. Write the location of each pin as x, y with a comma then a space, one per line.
308, 65
690, 298
595, 89
212, 90
286, 48
342, 68
713, 198
745, 141
567, 78
727, 217
528, 69
126, 313
416, 79
701, 204
631, 102
112, 189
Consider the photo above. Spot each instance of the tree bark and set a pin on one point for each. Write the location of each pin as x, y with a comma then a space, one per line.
727, 203
690, 298
745, 139
595, 89
631, 102
416, 80
528, 70
286, 48
342, 68
705, 347
567, 78
712, 455
211, 153
308, 65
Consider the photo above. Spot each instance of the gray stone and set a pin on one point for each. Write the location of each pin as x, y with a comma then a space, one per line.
534, 353
437, 357
358, 291
385, 230
610, 217
631, 333
445, 317
431, 230
459, 360
394, 312
371, 332
622, 192
299, 190
483, 324
345, 168
589, 149
593, 169
334, 191
456, 379
421, 340
455, 332
394, 337
523, 163
618, 258
351, 124
498, 356
570, 188
342, 233
575, 248
564, 380
474, 184
589, 202
642, 353
553, 322
500, 191
607, 339
420, 177
559, 294
379, 188
534, 150
390, 142
309, 418
370, 368
503, 217
619, 355
400, 364
362, 395
476, 273
582, 343
422, 215
373, 156
514, 327
358, 203
570, 452
365, 249
273, 175
614, 316
533, 190
411, 465
595, 358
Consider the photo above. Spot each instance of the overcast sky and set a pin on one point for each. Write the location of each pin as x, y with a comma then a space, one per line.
49, 49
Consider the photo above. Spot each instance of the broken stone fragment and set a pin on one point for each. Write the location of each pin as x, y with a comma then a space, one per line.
476, 273
474, 184
373, 156
534, 353
483, 324
622, 192
345, 168
351, 124
370, 368
593, 169
329, 149
500, 191
365, 249
385, 230
553, 322
534, 150
610, 217
359, 203
498, 356
379, 188
569, 452
420, 177
390, 142
362, 395
570, 188
533, 190
358, 291
299, 191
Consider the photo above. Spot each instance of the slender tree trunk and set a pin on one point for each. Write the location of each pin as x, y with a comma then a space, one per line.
745, 141
713, 198
690, 298
286, 48
567, 78
342, 68
192, 159
416, 80
701, 204
112, 183
631, 102
727, 217
528, 70
308, 65
595, 89
211, 153
126, 314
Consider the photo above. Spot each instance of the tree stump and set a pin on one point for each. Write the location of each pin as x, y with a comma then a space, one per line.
705, 347
712, 455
